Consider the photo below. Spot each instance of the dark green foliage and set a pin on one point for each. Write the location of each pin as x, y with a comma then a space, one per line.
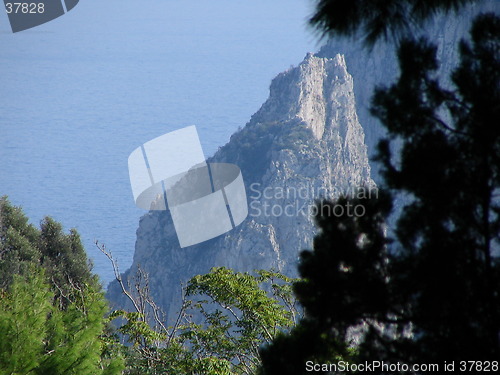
372, 20
349, 254
24, 310
344, 284
61, 255
51, 305
434, 295
37, 337
64, 258
446, 273
18, 243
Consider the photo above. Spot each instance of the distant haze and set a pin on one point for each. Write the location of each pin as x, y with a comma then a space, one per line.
79, 93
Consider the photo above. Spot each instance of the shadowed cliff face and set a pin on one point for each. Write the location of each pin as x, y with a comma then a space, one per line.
379, 66
303, 144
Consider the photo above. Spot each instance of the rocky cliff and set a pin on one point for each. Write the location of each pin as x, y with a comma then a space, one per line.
303, 144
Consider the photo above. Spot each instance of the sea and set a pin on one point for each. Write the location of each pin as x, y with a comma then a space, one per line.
79, 93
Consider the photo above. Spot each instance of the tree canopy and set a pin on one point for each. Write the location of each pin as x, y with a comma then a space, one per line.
52, 309
374, 20
226, 317
446, 272
433, 294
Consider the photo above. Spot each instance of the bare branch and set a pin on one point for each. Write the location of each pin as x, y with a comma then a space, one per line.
117, 274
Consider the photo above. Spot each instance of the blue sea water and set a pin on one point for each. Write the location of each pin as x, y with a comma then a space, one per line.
79, 93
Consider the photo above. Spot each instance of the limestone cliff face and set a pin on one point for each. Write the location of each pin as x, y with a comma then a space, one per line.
303, 144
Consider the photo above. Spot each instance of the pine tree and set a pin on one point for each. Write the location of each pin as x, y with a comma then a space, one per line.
441, 297
18, 243
373, 20
343, 287
24, 310
74, 338
446, 272
52, 309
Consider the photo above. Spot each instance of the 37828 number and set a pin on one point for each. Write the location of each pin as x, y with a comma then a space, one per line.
478, 366
25, 8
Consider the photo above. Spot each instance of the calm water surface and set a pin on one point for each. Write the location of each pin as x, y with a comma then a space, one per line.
78, 94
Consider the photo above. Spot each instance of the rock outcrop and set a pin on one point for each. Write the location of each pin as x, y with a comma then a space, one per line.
303, 144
